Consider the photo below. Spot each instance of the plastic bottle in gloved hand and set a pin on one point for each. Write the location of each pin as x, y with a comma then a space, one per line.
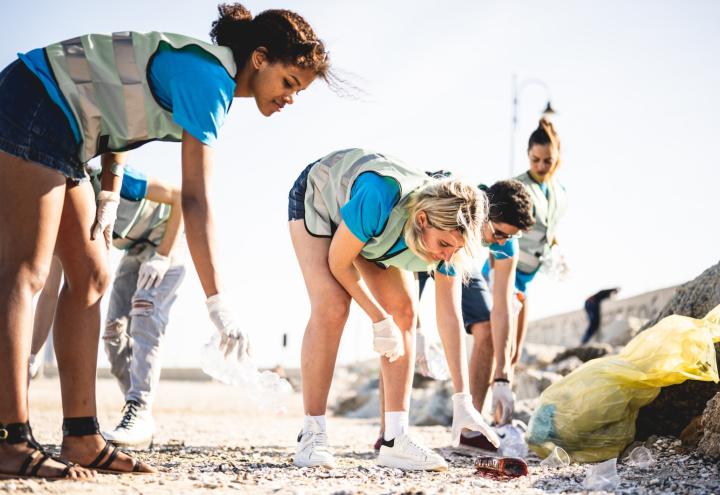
503, 401
233, 341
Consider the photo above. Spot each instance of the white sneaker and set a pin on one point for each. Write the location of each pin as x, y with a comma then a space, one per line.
312, 449
136, 428
405, 453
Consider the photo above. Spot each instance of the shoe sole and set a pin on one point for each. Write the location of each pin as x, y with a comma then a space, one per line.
315, 464
144, 445
406, 465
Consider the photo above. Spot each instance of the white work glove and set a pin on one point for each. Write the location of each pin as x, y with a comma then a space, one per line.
466, 416
388, 339
105, 216
232, 339
503, 402
152, 271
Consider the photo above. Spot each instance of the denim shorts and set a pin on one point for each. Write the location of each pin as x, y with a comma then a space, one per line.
33, 127
476, 299
296, 198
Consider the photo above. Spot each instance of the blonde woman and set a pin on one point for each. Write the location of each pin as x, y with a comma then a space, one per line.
361, 223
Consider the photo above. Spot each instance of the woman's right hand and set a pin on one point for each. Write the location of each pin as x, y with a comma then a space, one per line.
388, 339
232, 339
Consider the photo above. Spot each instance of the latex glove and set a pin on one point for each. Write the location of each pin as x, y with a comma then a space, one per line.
466, 416
152, 271
388, 339
503, 402
105, 216
232, 339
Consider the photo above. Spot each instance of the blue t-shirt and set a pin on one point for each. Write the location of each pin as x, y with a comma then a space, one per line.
190, 83
134, 185
366, 214
505, 251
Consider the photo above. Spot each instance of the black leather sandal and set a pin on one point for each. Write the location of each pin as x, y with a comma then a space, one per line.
77, 427
15, 433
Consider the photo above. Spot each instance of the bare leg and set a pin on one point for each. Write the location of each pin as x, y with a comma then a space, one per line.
329, 309
482, 363
46, 305
396, 291
77, 322
32, 202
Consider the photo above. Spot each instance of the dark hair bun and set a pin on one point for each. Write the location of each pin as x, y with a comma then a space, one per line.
225, 28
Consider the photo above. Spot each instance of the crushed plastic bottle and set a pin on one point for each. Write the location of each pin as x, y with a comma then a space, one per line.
640, 457
557, 458
265, 389
512, 441
430, 359
554, 264
602, 476
511, 467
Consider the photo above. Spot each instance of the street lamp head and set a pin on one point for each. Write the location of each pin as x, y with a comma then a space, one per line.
549, 111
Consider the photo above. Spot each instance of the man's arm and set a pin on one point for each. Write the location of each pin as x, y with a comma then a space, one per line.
502, 320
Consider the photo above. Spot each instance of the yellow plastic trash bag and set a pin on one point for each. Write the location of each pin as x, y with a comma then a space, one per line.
591, 413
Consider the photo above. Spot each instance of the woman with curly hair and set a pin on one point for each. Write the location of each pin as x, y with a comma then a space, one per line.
98, 94
361, 224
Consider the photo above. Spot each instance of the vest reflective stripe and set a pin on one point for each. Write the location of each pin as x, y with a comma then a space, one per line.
535, 243
104, 80
329, 187
140, 221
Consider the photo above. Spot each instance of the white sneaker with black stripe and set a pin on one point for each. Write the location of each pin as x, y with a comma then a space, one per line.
312, 448
403, 452
136, 428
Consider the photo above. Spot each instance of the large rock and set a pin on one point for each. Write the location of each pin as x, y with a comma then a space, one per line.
710, 442
677, 405
586, 352
530, 383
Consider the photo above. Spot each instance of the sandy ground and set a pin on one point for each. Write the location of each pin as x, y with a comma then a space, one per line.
210, 441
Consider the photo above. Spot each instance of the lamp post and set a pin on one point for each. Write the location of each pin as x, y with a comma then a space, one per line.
516, 92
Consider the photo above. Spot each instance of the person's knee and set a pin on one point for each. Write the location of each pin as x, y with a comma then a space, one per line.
29, 275
404, 312
90, 284
482, 336
114, 328
332, 312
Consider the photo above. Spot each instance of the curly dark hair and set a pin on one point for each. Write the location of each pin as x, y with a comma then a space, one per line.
286, 36
510, 203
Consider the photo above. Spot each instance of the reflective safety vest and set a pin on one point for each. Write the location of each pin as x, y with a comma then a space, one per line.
104, 81
535, 244
141, 221
329, 186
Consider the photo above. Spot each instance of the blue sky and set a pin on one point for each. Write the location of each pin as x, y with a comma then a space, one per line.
635, 87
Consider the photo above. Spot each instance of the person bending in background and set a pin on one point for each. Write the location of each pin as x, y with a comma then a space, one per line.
149, 230
593, 311
549, 204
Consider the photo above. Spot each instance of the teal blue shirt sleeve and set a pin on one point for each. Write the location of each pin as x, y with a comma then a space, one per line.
134, 185
504, 251
372, 199
195, 87
446, 269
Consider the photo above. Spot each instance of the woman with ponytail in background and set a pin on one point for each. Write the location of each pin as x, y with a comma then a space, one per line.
64, 104
549, 204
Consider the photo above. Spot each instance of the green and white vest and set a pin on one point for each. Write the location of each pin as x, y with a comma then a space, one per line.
329, 186
104, 81
535, 244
